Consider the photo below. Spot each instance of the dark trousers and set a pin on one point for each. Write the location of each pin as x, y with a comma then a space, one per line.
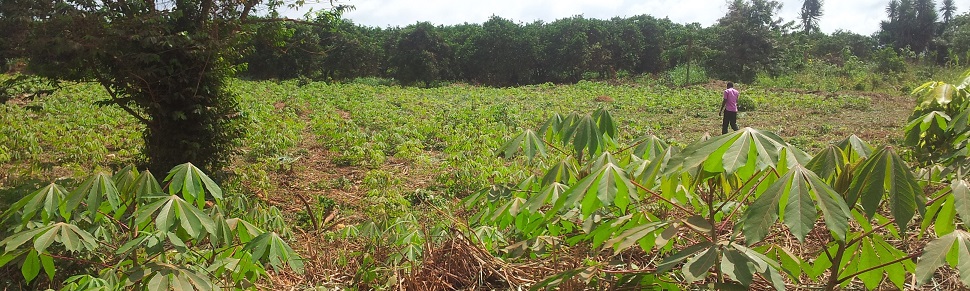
730, 117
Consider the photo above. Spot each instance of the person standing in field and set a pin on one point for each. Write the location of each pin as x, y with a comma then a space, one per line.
729, 107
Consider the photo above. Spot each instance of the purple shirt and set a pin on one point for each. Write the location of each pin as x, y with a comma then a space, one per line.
731, 99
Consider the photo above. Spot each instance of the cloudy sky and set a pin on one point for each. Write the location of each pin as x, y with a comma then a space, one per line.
859, 16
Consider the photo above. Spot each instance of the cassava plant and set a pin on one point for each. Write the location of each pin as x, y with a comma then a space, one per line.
709, 213
126, 231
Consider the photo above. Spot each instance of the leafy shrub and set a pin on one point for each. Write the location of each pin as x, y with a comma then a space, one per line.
125, 230
693, 207
888, 61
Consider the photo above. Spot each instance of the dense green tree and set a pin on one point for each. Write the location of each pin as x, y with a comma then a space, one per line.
566, 49
830, 47
908, 24
421, 55
810, 14
746, 40
167, 64
503, 54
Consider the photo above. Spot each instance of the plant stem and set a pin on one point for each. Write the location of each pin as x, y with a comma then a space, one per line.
309, 210
77, 260
736, 209
834, 269
853, 275
658, 196
865, 234
553, 146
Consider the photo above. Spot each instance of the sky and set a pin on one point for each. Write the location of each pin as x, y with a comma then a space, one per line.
859, 16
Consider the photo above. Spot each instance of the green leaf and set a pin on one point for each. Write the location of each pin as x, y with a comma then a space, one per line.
31, 266
835, 211
800, 187
934, 255
961, 198
48, 263
742, 152
549, 194
933, 123
528, 142
15, 240
189, 180
895, 272
867, 259
147, 186
936, 93
854, 148
763, 213
828, 163
94, 192
650, 147
159, 282
698, 223
945, 219
192, 218
607, 186
270, 247
886, 174
696, 268
45, 201
630, 237
671, 261
605, 122
735, 265
800, 209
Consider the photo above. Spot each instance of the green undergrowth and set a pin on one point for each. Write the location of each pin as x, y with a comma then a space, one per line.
445, 137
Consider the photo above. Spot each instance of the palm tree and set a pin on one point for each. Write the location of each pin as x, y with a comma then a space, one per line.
948, 10
811, 12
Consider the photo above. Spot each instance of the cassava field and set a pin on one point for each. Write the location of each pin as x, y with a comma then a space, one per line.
592, 185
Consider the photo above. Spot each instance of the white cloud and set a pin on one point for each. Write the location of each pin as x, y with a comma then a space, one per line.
859, 16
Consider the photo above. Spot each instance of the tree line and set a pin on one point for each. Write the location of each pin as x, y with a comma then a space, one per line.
749, 39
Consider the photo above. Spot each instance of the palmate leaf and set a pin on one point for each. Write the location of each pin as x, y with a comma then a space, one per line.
632, 236
69, 235
173, 211
739, 153
270, 247
767, 267
189, 180
47, 201
605, 122
697, 267
854, 148
935, 94
885, 174
650, 147
527, 142
607, 186
587, 137
828, 163
125, 181
562, 172
930, 124
147, 186
651, 174
548, 195
96, 190
797, 190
